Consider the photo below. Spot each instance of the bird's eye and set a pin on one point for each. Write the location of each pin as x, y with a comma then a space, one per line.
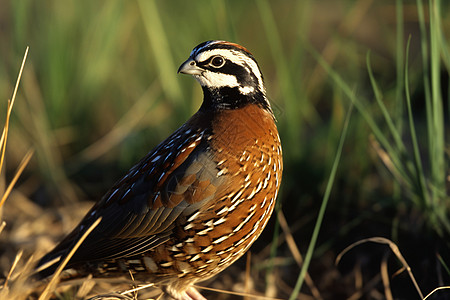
217, 61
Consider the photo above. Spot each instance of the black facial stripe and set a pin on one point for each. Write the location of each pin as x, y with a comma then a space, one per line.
204, 64
243, 74
254, 77
244, 77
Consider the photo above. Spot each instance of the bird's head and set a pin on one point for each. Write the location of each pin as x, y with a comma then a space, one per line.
228, 74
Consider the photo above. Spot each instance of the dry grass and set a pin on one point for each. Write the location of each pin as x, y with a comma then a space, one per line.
384, 274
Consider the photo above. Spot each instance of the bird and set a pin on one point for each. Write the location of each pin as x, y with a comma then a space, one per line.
195, 203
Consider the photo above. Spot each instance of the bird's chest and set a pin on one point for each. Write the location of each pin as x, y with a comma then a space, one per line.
247, 150
246, 144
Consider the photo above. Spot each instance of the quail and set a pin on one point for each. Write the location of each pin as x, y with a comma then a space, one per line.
195, 203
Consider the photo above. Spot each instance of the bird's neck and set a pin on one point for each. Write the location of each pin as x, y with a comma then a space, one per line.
231, 98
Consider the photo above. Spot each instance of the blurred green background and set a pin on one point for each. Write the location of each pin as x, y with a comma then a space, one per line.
100, 90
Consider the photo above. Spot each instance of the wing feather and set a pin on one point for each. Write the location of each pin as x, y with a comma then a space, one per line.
141, 210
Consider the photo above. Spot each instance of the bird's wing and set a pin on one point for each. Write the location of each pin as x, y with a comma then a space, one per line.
140, 210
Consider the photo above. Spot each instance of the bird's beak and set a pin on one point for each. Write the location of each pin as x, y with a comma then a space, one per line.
190, 67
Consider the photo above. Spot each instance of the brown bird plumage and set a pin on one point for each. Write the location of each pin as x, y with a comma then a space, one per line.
195, 203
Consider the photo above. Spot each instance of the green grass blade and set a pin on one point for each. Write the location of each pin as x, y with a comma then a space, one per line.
398, 153
420, 176
323, 207
399, 65
366, 114
425, 65
295, 103
394, 130
160, 45
436, 122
